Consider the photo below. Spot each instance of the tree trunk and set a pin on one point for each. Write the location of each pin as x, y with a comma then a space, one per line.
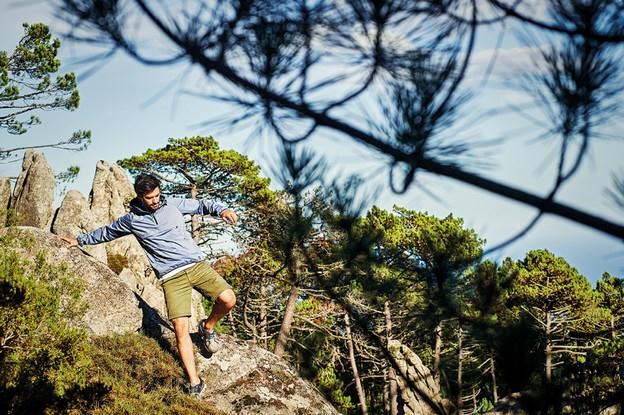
493, 373
437, 354
371, 396
548, 350
247, 323
289, 315
263, 329
393, 390
460, 362
613, 333
354, 369
194, 218
386, 393
474, 400
230, 317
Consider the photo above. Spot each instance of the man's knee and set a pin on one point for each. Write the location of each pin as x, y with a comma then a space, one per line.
227, 298
180, 326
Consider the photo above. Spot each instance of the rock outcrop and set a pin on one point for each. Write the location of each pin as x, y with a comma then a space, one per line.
5, 198
74, 217
113, 308
242, 378
33, 195
110, 195
419, 392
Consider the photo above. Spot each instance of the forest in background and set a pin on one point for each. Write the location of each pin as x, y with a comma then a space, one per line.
328, 286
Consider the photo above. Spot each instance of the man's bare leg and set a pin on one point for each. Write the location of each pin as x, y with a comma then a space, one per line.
185, 348
224, 303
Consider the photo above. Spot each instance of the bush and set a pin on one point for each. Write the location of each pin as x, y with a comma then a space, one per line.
43, 359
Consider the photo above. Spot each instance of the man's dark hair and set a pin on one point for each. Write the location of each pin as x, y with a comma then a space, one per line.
145, 183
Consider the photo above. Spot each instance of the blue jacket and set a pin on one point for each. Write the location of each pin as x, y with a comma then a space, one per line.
161, 233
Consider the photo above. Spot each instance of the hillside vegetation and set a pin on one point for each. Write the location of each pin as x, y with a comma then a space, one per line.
50, 367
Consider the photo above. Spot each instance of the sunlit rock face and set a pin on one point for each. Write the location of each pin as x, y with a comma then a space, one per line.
33, 195
112, 307
5, 199
74, 217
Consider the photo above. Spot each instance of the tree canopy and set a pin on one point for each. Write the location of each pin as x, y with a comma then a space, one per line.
28, 85
197, 167
299, 67
25, 80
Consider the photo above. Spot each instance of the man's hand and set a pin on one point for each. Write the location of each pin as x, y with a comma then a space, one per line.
230, 216
71, 241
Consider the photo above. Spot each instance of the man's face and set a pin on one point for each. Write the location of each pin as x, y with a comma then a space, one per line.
151, 200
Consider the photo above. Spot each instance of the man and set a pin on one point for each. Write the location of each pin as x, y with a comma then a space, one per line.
158, 225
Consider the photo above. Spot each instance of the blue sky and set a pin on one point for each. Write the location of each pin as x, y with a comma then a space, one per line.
124, 107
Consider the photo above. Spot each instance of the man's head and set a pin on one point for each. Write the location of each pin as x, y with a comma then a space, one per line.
147, 188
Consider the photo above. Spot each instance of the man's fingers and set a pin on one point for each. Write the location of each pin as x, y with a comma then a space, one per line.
229, 216
72, 242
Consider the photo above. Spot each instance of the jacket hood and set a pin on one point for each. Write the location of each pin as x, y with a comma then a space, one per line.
136, 206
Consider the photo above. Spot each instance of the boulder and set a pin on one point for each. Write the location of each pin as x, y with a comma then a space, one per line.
131, 280
244, 379
33, 195
112, 307
111, 194
74, 217
5, 198
418, 390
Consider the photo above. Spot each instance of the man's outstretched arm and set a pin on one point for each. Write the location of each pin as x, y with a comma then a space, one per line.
204, 207
117, 229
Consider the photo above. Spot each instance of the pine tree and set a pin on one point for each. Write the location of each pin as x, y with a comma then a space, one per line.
27, 85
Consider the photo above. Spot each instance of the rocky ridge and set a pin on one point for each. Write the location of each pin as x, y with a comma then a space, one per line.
243, 378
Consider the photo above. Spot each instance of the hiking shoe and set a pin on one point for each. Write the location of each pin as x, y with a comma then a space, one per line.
209, 338
197, 390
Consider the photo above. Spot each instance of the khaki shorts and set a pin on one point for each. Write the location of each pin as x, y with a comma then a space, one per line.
178, 289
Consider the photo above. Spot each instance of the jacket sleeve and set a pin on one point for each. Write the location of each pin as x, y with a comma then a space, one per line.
117, 229
197, 206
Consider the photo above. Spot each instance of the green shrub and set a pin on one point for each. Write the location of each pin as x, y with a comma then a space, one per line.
43, 359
